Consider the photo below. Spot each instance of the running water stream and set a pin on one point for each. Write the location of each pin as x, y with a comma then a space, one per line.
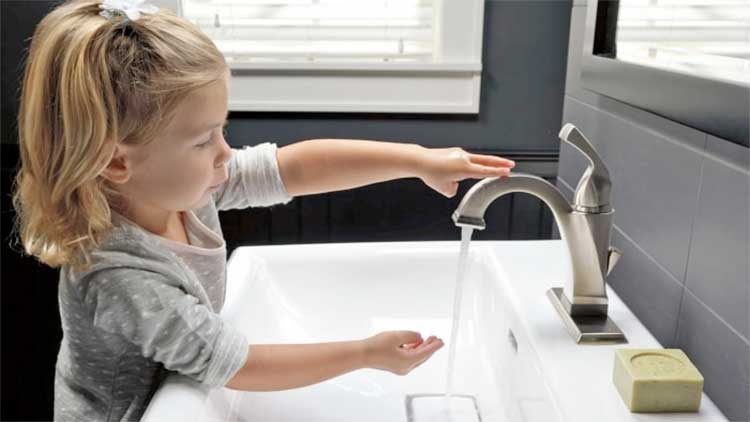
462, 260
449, 407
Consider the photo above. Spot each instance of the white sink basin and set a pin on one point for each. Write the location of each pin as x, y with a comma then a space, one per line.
514, 355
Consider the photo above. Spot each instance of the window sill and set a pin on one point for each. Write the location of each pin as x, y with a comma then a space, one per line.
407, 87
446, 67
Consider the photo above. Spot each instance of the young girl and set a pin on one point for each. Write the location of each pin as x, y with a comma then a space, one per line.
123, 169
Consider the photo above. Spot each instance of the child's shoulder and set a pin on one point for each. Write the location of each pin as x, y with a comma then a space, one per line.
125, 250
129, 249
120, 272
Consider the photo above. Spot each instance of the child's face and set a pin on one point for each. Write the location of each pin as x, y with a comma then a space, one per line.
176, 171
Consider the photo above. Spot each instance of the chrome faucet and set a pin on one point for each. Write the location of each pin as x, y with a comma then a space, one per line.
585, 226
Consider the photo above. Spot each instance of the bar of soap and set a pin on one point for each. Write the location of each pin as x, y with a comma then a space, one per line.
657, 380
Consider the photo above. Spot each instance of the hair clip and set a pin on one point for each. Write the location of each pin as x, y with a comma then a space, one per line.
132, 9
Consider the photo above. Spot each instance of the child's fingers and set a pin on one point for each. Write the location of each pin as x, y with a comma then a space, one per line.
425, 351
485, 171
491, 160
426, 355
433, 344
408, 337
411, 345
429, 346
418, 343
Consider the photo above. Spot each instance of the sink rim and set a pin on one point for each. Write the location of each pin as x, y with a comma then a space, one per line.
564, 363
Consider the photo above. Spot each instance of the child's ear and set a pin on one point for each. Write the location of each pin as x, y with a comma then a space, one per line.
118, 169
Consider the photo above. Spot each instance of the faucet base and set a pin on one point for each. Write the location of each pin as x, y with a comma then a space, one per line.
598, 329
584, 309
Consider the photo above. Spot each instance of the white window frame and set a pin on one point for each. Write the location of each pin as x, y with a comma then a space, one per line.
449, 84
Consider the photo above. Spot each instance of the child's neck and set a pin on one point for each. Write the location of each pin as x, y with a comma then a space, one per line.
164, 223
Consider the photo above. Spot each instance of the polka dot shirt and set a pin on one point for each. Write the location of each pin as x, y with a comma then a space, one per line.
149, 305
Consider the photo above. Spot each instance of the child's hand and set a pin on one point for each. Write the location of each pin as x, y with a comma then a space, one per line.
399, 351
442, 168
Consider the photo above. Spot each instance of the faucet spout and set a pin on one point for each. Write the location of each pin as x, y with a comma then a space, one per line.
470, 211
586, 234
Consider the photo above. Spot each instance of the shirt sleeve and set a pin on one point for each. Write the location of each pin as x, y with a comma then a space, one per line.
254, 179
167, 324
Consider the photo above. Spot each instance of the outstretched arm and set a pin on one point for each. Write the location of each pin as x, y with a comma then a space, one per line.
271, 367
327, 165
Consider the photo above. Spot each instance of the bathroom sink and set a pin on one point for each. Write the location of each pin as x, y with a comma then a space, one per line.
513, 354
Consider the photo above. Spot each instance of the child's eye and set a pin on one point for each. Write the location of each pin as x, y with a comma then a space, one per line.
208, 141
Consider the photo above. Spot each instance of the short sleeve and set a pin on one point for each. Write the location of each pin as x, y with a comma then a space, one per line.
167, 324
254, 179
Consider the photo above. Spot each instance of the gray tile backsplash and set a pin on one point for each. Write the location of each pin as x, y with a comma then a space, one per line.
655, 189
647, 288
719, 354
682, 206
719, 278
731, 154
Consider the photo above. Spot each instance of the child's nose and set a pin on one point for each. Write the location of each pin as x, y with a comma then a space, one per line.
225, 155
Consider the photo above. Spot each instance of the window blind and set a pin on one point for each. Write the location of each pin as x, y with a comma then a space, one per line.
317, 30
710, 37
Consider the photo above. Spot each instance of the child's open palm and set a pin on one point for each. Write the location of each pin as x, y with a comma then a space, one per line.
399, 351
443, 168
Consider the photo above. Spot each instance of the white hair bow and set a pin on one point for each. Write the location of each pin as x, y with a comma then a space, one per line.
131, 8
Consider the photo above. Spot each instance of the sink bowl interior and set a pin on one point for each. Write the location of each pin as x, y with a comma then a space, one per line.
337, 292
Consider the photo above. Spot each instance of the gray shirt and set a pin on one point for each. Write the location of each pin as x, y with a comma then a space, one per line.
150, 305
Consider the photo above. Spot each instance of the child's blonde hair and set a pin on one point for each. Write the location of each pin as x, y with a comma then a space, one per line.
91, 82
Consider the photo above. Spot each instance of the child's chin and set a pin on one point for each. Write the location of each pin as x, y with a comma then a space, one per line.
204, 200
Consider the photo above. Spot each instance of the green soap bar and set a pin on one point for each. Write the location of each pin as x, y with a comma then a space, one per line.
657, 380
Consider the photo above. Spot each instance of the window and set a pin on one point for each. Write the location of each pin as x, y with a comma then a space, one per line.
686, 60
708, 38
317, 31
347, 55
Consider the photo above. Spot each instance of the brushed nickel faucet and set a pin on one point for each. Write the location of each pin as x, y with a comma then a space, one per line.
585, 226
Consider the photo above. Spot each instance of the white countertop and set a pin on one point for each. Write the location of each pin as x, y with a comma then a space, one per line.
579, 375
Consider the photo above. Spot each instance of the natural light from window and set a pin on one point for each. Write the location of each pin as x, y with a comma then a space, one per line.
708, 38
257, 31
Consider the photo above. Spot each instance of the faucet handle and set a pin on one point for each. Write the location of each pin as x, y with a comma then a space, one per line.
593, 191
613, 257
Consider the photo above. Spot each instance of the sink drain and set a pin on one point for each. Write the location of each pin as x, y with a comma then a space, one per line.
438, 408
